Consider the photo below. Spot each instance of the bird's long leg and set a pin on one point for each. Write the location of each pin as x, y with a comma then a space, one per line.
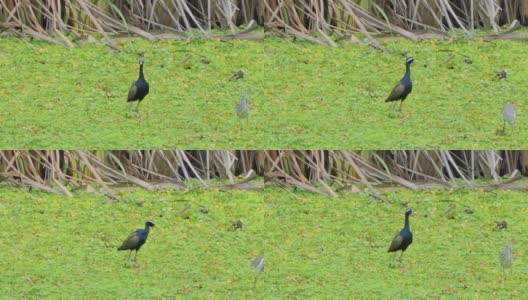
394, 106
135, 256
401, 104
137, 110
393, 261
129, 254
401, 256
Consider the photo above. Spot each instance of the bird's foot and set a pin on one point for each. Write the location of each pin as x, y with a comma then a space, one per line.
501, 132
395, 263
394, 114
132, 113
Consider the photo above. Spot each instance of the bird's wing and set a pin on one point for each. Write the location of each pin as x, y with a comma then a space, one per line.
396, 92
508, 113
131, 241
258, 263
396, 242
132, 92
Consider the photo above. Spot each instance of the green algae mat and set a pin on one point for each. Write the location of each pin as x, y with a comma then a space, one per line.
314, 246
302, 96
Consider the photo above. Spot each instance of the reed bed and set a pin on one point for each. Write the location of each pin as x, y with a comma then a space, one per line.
324, 172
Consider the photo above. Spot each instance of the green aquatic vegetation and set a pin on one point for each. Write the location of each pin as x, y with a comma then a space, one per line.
301, 95
59, 98
55, 247
322, 247
333, 98
314, 246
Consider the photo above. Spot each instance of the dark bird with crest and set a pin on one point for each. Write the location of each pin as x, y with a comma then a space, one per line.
140, 88
404, 87
136, 240
403, 239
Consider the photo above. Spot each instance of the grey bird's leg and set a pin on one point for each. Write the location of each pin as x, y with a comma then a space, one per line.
255, 281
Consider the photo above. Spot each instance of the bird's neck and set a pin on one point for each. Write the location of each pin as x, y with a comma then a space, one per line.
407, 222
407, 70
147, 228
141, 74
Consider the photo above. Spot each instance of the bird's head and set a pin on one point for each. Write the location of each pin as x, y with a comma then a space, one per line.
408, 212
141, 61
409, 60
150, 223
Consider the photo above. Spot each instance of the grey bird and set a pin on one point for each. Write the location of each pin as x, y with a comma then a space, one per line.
258, 264
136, 240
242, 107
508, 114
506, 258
